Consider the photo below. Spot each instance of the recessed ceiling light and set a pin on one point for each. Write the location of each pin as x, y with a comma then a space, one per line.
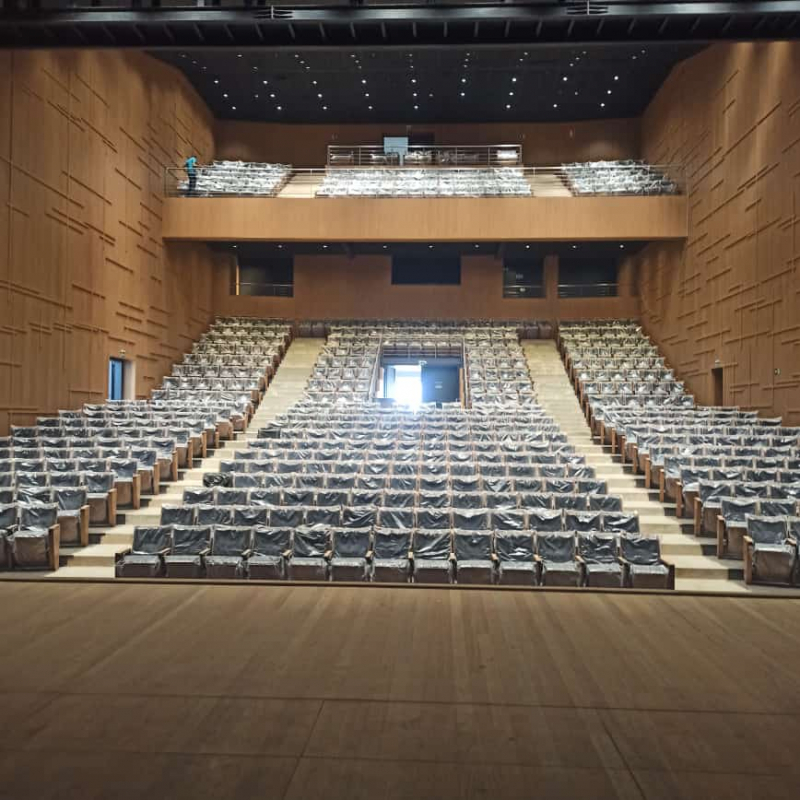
463, 80
225, 95
416, 108
602, 105
386, 246
255, 68
622, 247
272, 95
238, 55
265, 82
565, 79
235, 246
507, 105
324, 247
319, 94
513, 80
609, 91
280, 247
324, 108
313, 83
370, 108
413, 94
216, 80
527, 247
477, 246
279, 108
462, 94
363, 80
574, 247
256, 96
430, 247
616, 77
366, 94
233, 108
431, 94
555, 105
576, 94
413, 80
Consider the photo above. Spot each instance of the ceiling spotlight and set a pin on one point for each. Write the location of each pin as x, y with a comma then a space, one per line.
313, 83
265, 82
463, 80
370, 108
239, 55
386, 247
216, 80
233, 108
574, 247
555, 105
602, 105
511, 94
413, 94
235, 246
413, 80
609, 91
272, 95
477, 246
324, 108
324, 247
256, 96
565, 79
280, 247
279, 108
430, 247
616, 77
319, 94
576, 94
507, 105
416, 108
366, 94
363, 80
527, 247
224, 95
513, 80
622, 247
462, 94
255, 68
431, 94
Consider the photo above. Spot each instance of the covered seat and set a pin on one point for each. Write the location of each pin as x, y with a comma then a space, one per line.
555, 553
270, 549
351, 550
73, 514
732, 525
600, 560
145, 558
474, 554
516, 565
102, 498
35, 543
8, 525
230, 546
770, 554
127, 481
190, 545
644, 567
390, 555
310, 552
432, 556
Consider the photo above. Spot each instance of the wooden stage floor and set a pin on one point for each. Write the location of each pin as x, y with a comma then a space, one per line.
304, 692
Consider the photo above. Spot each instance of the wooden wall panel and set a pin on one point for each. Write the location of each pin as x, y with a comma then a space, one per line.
543, 144
355, 219
731, 293
84, 272
339, 287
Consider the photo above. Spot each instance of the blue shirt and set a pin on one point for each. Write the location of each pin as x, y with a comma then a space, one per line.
190, 164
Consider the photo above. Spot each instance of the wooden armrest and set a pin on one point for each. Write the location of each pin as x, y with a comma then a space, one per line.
495, 557
537, 558
679, 498
451, 557
286, 553
410, 555
54, 542
204, 552
164, 552
698, 516
747, 556
369, 555
328, 554
720, 536
247, 553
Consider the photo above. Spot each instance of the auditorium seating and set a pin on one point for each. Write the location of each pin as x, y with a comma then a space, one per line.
617, 178
720, 466
89, 463
239, 178
442, 182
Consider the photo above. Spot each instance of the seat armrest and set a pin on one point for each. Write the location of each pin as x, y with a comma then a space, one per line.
679, 498
287, 554
369, 555
54, 542
204, 553
84, 523
247, 553
720, 536
698, 516
328, 555
747, 555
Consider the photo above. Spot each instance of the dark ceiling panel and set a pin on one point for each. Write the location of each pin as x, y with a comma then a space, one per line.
429, 84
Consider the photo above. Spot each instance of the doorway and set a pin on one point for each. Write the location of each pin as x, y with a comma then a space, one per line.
717, 386
116, 379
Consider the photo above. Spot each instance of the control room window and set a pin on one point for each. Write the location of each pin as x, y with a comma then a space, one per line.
265, 277
523, 277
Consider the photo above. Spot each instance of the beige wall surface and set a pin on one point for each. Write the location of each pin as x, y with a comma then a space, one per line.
731, 293
84, 272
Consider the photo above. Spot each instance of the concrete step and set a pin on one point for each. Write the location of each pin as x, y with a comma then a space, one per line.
706, 568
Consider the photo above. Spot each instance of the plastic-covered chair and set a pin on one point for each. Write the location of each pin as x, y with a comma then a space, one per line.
770, 555
390, 555
271, 548
190, 545
145, 558
73, 514
310, 552
732, 525
35, 543
432, 556
516, 565
555, 553
644, 566
474, 555
351, 550
230, 546
601, 564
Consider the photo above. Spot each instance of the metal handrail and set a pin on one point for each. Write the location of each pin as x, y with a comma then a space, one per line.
376, 371
415, 156
278, 289
523, 290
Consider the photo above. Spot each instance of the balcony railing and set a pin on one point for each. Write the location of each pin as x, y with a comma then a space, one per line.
249, 289
523, 291
418, 156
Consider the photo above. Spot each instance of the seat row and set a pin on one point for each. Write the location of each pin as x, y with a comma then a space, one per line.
321, 553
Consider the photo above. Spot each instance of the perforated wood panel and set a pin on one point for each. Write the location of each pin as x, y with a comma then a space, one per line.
83, 269
732, 114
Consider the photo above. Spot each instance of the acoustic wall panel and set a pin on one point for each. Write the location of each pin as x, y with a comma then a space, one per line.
84, 272
731, 292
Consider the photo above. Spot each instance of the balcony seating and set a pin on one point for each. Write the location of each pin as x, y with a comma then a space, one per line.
617, 178
443, 182
238, 178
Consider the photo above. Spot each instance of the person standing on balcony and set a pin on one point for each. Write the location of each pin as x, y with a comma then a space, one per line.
191, 172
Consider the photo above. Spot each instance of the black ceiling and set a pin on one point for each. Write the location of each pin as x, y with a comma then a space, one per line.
429, 84
256, 23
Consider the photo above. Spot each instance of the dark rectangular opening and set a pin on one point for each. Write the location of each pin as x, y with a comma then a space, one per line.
116, 379
587, 277
523, 277
265, 277
718, 386
443, 270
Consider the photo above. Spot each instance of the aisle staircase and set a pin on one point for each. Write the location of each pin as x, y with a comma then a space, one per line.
696, 566
97, 560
